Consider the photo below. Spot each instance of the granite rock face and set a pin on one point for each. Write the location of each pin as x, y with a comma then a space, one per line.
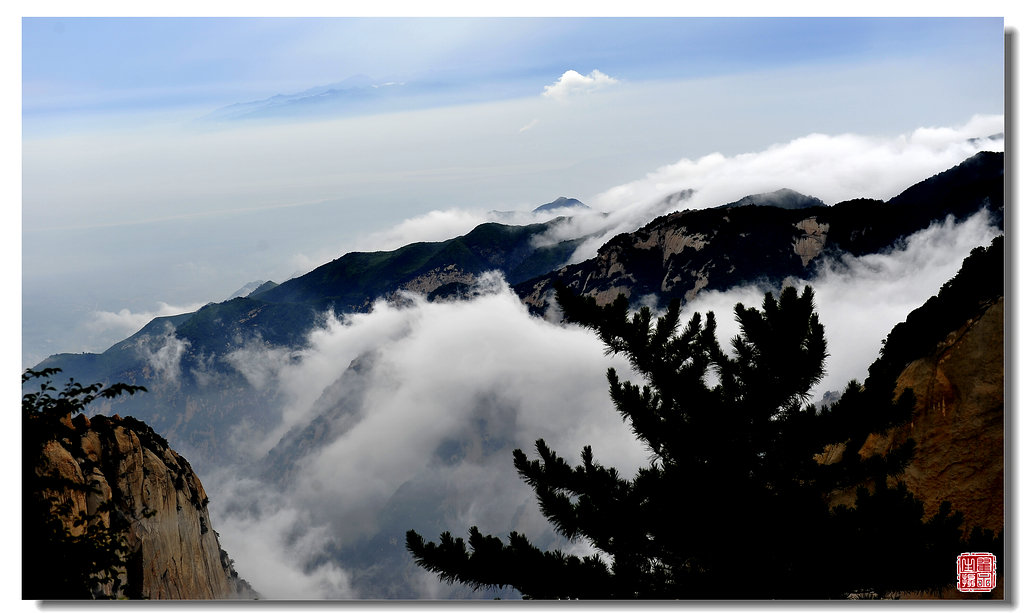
957, 423
175, 552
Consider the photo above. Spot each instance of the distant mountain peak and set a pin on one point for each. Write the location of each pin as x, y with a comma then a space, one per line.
248, 288
560, 203
784, 198
354, 93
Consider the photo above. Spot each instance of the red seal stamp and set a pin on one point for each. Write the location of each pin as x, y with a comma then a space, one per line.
975, 572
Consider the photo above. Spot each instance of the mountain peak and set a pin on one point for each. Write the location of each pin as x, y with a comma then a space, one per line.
560, 203
784, 198
249, 288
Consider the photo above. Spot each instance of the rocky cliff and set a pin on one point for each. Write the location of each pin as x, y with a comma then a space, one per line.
949, 352
118, 474
957, 422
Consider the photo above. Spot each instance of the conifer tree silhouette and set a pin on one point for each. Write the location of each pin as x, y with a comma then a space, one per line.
734, 503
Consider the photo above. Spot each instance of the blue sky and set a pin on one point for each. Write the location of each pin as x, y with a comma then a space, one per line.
133, 204
118, 64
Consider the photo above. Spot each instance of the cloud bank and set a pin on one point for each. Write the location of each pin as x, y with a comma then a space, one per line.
833, 168
860, 299
409, 414
418, 407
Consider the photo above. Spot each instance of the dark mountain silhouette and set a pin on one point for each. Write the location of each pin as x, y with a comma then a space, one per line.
353, 281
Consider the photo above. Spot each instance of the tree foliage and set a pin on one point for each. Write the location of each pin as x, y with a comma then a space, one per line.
86, 560
734, 502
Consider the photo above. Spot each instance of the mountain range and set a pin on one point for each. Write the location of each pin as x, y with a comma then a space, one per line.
200, 391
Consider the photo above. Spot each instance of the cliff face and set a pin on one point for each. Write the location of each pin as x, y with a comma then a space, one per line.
957, 423
137, 481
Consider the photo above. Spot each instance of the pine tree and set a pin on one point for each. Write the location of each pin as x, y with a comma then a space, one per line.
734, 503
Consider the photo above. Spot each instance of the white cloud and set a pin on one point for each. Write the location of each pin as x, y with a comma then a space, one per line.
163, 354
443, 392
533, 124
425, 401
860, 299
126, 322
432, 226
830, 167
572, 83
441, 225
270, 542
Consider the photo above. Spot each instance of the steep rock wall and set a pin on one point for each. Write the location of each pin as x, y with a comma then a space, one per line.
957, 423
175, 552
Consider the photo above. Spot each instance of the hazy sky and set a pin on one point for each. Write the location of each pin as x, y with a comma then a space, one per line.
135, 203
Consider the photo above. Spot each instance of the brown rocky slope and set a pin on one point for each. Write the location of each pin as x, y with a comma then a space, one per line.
119, 473
957, 423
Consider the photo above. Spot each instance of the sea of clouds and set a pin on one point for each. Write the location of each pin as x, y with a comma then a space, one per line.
417, 406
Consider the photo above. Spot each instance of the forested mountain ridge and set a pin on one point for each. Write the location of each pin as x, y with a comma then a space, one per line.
353, 281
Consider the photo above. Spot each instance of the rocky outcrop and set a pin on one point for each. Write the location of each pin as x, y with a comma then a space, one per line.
120, 472
812, 243
433, 279
957, 423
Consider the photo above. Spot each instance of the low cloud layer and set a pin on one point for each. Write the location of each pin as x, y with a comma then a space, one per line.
405, 417
860, 299
415, 407
833, 168
425, 403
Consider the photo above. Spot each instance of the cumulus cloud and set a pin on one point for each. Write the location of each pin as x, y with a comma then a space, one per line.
572, 83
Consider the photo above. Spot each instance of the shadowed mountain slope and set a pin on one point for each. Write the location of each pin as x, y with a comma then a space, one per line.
680, 254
